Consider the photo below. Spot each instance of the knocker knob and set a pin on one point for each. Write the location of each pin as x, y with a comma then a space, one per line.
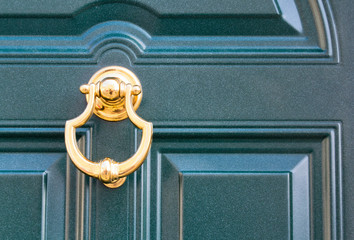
110, 89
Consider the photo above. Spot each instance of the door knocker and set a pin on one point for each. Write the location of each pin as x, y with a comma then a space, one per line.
113, 93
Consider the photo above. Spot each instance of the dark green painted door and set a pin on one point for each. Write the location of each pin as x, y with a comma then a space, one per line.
252, 106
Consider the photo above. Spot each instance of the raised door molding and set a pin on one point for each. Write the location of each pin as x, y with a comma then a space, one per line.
284, 179
170, 32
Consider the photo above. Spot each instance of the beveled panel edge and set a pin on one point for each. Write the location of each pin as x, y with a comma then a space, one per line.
222, 162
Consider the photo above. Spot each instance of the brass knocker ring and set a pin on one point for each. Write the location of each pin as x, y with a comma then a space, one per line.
113, 93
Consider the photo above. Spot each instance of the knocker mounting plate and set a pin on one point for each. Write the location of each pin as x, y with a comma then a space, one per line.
110, 101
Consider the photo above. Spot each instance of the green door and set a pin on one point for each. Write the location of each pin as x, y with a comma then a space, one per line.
252, 106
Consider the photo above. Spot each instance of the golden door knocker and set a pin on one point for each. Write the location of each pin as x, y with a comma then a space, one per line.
113, 93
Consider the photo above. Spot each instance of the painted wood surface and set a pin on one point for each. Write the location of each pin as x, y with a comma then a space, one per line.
252, 104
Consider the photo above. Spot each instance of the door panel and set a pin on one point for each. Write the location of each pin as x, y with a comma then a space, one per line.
251, 103
241, 181
42, 194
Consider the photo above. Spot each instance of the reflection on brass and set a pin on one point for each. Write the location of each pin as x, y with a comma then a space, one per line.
113, 93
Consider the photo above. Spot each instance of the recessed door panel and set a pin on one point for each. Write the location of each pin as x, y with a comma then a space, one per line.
42, 195
240, 182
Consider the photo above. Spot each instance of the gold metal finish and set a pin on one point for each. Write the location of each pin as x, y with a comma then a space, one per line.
113, 93
110, 98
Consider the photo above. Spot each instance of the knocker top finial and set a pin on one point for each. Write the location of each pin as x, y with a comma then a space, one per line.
111, 85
